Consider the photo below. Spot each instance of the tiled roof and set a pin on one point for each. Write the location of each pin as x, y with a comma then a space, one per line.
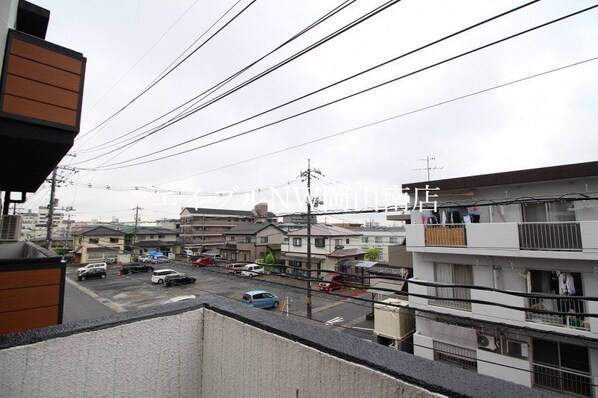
249, 229
224, 212
325, 230
338, 253
100, 230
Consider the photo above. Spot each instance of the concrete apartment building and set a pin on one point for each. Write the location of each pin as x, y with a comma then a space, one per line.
505, 275
203, 229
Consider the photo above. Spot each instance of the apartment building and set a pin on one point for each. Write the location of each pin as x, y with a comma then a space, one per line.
203, 229
505, 266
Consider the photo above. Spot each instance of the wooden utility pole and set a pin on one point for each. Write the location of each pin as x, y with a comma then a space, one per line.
307, 175
50, 219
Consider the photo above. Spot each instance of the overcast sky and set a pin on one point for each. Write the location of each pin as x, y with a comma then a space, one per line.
385, 132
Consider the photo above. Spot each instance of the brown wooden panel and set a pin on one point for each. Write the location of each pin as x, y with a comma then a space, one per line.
38, 110
11, 322
445, 236
29, 278
43, 73
45, 56
29, 297
41, 92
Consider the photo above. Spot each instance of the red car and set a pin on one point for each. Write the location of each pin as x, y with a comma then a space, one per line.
203, 262
332, 281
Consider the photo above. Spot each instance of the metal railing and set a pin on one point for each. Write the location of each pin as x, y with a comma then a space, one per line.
444, 293
564, 381
564, 236
568, 304
445, 235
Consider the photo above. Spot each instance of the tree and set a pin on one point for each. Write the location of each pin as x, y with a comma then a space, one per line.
269, 259
373, 254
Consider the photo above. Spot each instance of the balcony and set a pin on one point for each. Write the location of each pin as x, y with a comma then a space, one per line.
550, 236
578, 384
569, 305
565, 237
445, 235
208, 355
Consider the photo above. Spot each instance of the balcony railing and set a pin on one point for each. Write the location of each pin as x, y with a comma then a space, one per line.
563, 381
445, 235
564, 236
444, 293
570, 305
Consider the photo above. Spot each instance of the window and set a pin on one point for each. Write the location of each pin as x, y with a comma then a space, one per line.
94, 240
365, 239
264, 239
457, 274
378, 239
562, 367
347, 240
393, 239
114, 240
248, 239
296, 241
161, 236
320, 242
453, 355
548, 212
232, 238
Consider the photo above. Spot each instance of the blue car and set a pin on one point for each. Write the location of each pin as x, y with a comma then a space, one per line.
260, 299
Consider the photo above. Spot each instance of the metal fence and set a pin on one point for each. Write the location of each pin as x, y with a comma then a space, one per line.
567, 381
564, 236
572, 306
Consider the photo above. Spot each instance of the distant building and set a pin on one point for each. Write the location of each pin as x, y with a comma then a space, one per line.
203, 229
525, 242
249, 242
98, 244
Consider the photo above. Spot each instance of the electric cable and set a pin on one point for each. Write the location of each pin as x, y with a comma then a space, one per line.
205, 93
119, 165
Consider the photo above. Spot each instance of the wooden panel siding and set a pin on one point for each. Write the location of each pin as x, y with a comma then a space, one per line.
30, 298
42, 82
11, 322
29, 278
439, 235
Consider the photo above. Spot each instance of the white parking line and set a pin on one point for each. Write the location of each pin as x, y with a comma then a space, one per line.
334, 320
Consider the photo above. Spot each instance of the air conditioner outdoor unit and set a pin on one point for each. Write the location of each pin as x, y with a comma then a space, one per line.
487, 342
10, 228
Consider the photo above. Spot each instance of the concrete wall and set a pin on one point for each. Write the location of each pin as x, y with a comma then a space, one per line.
151, 358
215, 347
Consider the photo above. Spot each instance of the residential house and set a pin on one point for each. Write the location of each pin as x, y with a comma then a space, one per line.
521, 250
98, 244
40, 111
327, 248
203, 229
148, 239
249, 242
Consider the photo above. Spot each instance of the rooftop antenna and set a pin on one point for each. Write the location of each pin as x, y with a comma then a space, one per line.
428, 168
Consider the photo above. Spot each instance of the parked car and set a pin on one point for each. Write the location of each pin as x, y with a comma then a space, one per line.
92, 266
252, 270
136, 267
235, 268
159, 260
332, 281
178, 279
202, 262
160, 275
144, 259
260, 299
92, 273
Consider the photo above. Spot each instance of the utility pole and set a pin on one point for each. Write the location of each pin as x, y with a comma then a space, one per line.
137, 208
307, 175
428, 168
51, 210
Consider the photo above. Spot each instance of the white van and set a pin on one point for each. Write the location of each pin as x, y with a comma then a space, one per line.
251, 270
160, 275
92, 266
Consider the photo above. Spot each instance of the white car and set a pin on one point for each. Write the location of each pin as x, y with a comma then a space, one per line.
160, 275
251, 270
92, 266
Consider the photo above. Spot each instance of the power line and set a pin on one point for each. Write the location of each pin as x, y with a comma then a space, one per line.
247, 82
165, 73
211, 90
115, 166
